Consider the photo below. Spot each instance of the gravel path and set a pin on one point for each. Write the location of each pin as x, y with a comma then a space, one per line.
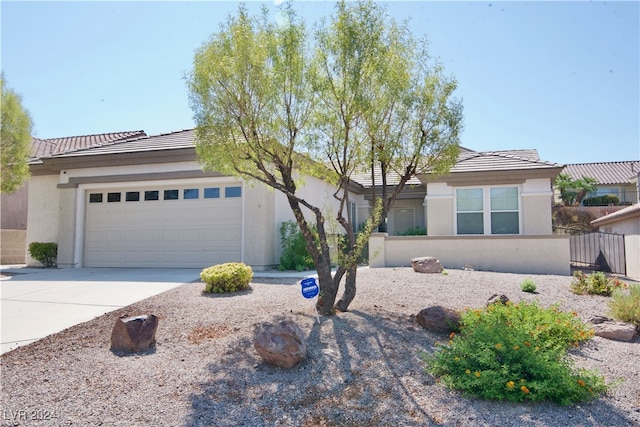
363, 367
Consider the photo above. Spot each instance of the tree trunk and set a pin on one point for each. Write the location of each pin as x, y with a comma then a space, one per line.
349, 289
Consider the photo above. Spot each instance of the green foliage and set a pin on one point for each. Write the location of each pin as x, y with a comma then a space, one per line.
594, 284
15, 140
528, 285
228, 277
418, 231
295, 255
516, 352
45, 253
572, 191
625, 304
605, 200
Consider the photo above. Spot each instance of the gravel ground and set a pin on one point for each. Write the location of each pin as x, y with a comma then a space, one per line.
363, 367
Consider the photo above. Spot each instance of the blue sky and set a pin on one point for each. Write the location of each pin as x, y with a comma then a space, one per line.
560, 77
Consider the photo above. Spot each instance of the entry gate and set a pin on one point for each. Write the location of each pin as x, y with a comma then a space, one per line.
598, 251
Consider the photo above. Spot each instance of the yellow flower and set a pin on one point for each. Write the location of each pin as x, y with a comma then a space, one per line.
524, 389
511, 384
478, 374
456, 358
581, 383
467, 372
527, 343
498, 346
516, 347
453, 334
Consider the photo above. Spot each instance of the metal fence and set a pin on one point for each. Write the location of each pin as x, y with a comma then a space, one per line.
598, 251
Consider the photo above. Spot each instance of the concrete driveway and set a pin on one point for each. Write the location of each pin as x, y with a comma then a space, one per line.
40, 302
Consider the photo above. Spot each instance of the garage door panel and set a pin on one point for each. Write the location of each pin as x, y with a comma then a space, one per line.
163, 233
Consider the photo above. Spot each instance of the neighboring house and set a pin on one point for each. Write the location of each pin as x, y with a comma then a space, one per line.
615, 178
14, 205
145, 202
625, 221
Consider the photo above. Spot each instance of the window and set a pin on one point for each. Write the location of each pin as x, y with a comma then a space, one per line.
132, 196
191, 193
211, 193
469, 208
233, 192
95, 198
494, 209
151, 195
504, 210
353, 215
113, 197
170, 194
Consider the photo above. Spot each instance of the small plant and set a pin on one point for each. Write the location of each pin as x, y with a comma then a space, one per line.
625, 305
528, 285
45, 253
229, 277
594, 284
516, 352
294, 250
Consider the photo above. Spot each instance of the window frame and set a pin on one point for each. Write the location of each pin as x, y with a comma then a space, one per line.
487, 210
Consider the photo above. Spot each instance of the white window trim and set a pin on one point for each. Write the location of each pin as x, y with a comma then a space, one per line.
486, 208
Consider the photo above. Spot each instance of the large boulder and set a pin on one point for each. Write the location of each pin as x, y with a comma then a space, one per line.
439, 319
612, 330
134, 334
282, 345
426, 264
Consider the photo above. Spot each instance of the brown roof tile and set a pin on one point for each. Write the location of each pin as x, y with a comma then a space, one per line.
606, 173
55, 146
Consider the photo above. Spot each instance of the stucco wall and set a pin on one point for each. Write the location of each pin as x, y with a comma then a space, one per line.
259, 213
513, 254
44, 212
630, 227
13, 246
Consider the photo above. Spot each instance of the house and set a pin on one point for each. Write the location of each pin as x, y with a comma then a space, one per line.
492, 211
625, 221
145, 202
613, 178
14, 206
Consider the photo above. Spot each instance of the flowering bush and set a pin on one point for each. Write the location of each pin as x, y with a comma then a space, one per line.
595, 284
516, 352
229, 277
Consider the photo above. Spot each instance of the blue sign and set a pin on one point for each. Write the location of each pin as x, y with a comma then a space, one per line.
309, 288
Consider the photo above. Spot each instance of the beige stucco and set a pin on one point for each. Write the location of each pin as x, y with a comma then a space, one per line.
44, 212
630, 227
515, 254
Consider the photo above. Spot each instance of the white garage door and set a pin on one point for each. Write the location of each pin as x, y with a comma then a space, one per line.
191, 226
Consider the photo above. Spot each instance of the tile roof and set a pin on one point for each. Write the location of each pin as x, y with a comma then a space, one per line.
168, 141
628, 212
55, 146
606, 173
474, 161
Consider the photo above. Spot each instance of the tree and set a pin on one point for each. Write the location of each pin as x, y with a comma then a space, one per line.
573, 191
272, 108
15, 139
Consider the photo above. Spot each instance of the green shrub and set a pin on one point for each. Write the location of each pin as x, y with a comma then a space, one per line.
229, 277
625, 305
516, 352
418, 231
606, 200
294, 250
594, 284
45, 253
528, 285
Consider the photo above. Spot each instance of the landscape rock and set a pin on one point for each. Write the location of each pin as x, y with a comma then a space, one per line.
439, 319
612, 330
134, 334
282, 345
427, 264
497, 299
